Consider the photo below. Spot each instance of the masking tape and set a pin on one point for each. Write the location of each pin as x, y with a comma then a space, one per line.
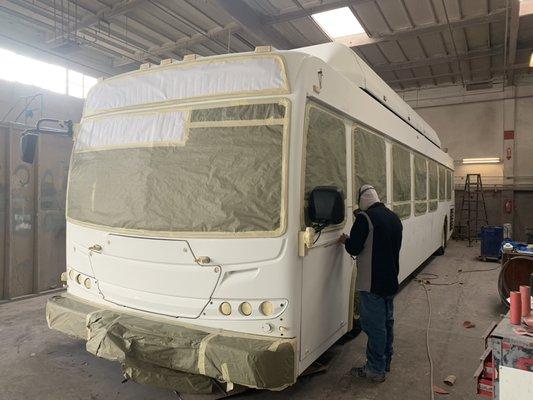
201, 352
225, 372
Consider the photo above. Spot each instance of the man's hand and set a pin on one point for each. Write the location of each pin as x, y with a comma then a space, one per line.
342, 239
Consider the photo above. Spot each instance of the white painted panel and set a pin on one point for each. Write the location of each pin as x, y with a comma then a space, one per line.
157, 303
154, 275
191, 280
325, 286
149, 250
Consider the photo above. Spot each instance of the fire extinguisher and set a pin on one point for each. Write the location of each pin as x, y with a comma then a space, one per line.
509, 153
508, 206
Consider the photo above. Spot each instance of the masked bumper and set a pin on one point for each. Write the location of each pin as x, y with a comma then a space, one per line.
173, 355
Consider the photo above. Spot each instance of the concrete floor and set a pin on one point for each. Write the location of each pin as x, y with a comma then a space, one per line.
37, 363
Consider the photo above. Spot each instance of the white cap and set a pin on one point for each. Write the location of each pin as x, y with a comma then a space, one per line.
367, 197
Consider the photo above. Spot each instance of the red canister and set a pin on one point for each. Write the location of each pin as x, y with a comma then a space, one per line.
516, 308
525, 300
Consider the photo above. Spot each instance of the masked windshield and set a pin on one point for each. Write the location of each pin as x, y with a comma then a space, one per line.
200, 170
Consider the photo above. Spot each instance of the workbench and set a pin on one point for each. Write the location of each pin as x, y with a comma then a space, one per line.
506, 370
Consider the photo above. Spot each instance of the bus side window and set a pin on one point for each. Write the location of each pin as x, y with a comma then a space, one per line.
433, 185
325, 155
370, 163
421, 175
449, 185
401, 181
442, 183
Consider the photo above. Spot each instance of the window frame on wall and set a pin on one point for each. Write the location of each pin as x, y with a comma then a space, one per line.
382, 193
52, 77
425, 199
399, 203
304, 195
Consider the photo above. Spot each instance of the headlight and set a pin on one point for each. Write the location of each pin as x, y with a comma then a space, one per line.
245, 308
225, 308
79, 278
267, 308
87, 283
72, 274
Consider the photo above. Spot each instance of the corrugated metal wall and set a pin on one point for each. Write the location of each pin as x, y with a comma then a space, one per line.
32, 213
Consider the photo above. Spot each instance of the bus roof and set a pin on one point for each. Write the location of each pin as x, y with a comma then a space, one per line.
346, 62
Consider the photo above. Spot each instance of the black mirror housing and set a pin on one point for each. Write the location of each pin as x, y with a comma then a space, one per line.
28, 146
30, 137
326, 205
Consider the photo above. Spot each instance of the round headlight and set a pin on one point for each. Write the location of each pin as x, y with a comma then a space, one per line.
87, 283
245, 308
72, 274
267, 308
225, 308
79, 278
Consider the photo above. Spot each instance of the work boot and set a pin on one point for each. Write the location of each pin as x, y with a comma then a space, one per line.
364, 372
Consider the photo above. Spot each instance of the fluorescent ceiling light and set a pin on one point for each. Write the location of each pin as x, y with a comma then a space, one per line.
338, 22
485, 160
531, 60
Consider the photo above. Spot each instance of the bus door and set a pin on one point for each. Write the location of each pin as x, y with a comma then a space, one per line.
327, 268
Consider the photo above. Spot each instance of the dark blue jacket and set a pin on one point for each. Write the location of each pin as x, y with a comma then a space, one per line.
376, 238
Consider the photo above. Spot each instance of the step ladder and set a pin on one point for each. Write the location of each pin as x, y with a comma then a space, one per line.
473, 213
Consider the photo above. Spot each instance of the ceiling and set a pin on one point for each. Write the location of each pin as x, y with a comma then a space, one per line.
410, 43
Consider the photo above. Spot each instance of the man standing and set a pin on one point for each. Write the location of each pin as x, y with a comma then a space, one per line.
375, 238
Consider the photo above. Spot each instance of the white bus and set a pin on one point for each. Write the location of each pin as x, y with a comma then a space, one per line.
190, 249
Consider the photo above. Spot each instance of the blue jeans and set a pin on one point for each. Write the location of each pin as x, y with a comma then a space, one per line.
377, 321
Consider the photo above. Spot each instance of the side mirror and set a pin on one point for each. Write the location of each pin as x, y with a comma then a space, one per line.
326, 206
28, 145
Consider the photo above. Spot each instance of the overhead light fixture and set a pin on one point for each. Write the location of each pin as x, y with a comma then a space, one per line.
531, 60
338, 22
485, 160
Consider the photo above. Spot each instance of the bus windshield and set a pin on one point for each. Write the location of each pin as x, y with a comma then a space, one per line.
217, 169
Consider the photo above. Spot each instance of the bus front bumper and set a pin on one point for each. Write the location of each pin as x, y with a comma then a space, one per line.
176, 356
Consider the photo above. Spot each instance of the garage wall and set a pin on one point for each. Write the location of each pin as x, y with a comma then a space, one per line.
32, 197
32, 213
468, 130
524, 140
471, 124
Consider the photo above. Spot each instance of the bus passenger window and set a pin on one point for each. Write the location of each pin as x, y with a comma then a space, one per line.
325, 160
442, 183
433, 185
421, 175
370, 163
401, 181
449, 185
